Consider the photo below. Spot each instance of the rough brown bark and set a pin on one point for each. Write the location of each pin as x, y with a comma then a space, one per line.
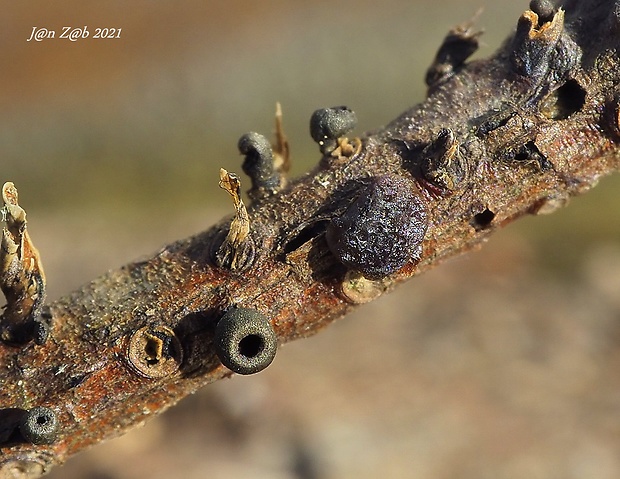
516, 134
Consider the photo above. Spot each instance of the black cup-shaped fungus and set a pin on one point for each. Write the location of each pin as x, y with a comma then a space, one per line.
39, 425
245, 342
259, 162
329, 124
382, 230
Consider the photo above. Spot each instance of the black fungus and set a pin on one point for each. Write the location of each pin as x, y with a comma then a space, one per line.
382, 230
460, 43
544, 9
259, 162
39, 425
245, 341
329, 124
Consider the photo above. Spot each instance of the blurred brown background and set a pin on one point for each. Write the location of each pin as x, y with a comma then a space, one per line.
501, 364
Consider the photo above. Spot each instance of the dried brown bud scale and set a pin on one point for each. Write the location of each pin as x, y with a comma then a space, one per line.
234, 249
22, 279
443, 165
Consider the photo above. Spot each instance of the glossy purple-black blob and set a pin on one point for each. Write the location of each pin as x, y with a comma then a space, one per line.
382, 230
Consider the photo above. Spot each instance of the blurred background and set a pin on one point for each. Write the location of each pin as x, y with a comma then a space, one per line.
500, 364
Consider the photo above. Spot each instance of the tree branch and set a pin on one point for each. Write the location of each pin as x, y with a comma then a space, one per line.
516, 134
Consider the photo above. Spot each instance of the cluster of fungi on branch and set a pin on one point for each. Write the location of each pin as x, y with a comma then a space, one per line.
495, 139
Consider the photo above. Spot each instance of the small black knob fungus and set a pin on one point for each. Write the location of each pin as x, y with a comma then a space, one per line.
544, 9
329, 124
245, 342
39, 425
259, 162
382, 230
460, 43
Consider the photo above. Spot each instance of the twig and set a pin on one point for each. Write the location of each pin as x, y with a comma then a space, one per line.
516, 134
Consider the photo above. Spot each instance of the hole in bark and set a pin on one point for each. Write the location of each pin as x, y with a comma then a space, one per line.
154, 352
491, 121
306, 234
251, 345
41, 420
564, 101
152, 349
75, 381
530, 152
482, 220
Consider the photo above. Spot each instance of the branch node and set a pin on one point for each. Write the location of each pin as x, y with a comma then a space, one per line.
443, 165
154, 352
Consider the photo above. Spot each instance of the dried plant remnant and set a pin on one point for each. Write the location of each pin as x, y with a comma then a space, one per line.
236, 250
541, 49
22, 279
534, 43
281, 150
240, 226
382, 230
443, 165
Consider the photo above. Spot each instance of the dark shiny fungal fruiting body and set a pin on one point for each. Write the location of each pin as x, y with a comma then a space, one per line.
329, 124
382, 230
544, 9
460, 43
259, 163
244, 341
39, 425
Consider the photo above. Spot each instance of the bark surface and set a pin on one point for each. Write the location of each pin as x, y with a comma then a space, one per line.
518, 133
